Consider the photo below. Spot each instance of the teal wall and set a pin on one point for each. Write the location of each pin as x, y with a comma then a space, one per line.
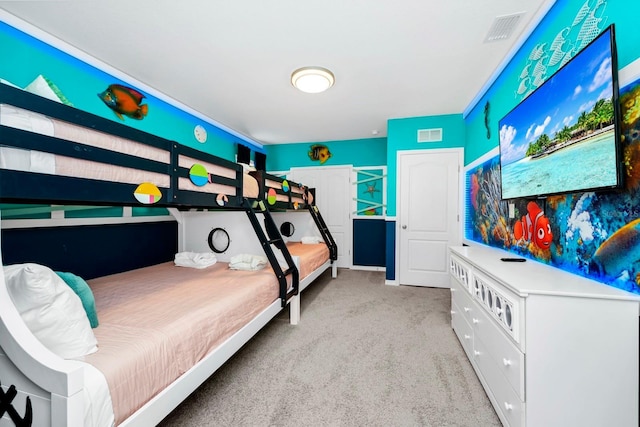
402, 134
24, 58
591, 234
356, 152
503, 95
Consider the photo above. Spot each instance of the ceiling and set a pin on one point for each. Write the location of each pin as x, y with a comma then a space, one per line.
232, 60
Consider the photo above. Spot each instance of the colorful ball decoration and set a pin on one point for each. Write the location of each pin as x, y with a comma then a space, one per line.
271, 196
147, 193
198, 175
285, 186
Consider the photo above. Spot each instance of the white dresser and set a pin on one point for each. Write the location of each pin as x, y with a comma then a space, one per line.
550, 348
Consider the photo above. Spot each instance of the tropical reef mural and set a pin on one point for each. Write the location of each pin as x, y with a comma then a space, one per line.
594, 234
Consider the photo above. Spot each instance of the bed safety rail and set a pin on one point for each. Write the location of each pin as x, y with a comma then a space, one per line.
270, 239
54, 153
222, 180
52, 175
280, 193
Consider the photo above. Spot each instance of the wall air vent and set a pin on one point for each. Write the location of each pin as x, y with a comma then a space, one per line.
503, 26
430, 135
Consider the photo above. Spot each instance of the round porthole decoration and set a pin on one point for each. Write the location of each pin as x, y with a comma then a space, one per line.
287, 229
218, 240
198, 175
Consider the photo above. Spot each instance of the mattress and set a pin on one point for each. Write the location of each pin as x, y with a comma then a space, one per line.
47, 163
157, 322
35, 161
311, 256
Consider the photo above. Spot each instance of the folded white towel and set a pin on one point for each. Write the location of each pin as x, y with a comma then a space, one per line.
195, 259
310, 239
247, 262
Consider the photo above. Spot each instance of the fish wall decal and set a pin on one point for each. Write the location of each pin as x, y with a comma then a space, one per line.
319, 153
124, 101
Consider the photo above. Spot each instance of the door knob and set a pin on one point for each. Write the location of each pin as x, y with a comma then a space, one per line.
404, 227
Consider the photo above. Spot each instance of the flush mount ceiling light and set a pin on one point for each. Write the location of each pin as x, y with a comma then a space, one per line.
312, 79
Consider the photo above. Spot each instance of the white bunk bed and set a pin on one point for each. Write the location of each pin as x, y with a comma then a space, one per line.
41, 387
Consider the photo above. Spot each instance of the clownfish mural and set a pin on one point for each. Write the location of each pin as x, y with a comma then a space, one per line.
124, 101
534, 227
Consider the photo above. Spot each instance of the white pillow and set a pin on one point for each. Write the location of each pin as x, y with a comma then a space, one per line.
50, 309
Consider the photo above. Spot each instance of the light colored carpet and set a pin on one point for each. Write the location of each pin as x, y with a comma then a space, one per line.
364, 354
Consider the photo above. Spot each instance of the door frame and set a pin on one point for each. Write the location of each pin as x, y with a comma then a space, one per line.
405, 153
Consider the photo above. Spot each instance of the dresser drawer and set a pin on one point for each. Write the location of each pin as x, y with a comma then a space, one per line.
465, 302
510, 408
462, 329
509, 359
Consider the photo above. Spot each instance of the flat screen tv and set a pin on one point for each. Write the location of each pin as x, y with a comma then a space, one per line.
564, 137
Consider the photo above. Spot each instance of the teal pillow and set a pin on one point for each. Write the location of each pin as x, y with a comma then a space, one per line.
82, 289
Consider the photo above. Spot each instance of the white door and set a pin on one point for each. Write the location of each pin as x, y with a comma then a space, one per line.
333, 198
429, 220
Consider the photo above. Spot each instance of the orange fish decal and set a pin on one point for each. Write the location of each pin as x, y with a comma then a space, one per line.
125, 101
534, 227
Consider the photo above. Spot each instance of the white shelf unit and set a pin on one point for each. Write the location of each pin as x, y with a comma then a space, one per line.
550, 348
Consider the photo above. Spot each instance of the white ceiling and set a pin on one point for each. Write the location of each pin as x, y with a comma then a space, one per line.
232, 60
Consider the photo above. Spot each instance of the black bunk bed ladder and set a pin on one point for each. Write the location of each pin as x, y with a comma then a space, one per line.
271, 238
324, 230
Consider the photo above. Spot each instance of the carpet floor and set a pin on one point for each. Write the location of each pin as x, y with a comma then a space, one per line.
364, 354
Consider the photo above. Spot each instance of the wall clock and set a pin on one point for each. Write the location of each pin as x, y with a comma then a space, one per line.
200, 133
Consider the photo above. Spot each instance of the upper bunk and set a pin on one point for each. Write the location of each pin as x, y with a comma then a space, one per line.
51, 153
281, 194
54, 153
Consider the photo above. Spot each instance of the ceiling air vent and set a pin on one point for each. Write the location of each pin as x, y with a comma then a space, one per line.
430, 135
502, 27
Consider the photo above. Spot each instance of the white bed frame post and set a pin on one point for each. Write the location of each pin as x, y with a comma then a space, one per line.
53, 385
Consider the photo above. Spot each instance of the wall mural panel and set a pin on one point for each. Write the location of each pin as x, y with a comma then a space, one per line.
596, 235
547, 57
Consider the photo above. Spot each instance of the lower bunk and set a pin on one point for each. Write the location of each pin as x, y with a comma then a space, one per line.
162, 331
312, 259
312, 254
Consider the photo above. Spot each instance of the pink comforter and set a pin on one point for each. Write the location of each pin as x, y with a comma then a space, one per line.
157, 322
311, 256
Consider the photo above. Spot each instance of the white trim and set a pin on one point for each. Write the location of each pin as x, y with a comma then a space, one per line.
542, 12
71, 222
629, 74
367, 268
354, 181
486, 156
394, 282
83, 56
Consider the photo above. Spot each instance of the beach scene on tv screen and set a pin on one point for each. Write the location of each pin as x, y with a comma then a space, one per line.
561, 138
